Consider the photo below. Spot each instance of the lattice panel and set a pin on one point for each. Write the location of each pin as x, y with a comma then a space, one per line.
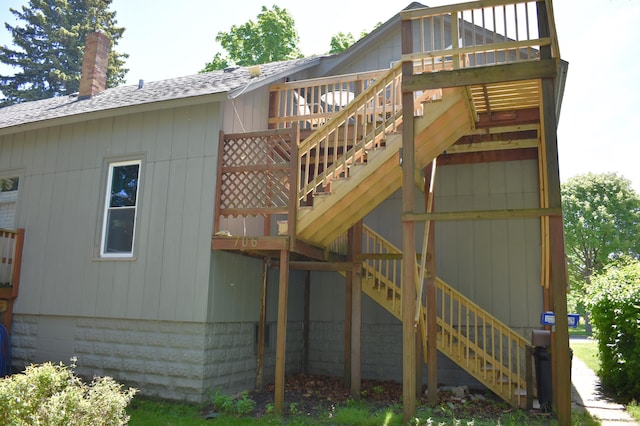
265, 189
257, 151
255, 175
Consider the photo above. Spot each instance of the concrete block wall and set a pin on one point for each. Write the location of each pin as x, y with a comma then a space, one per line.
231, 360
173, 360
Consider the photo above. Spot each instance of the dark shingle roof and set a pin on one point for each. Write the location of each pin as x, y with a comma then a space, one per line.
217, 82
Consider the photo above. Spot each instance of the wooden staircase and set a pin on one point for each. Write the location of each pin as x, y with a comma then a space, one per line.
348, 189
476, 341
349, 166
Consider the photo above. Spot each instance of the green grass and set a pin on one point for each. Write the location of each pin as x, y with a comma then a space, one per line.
634, 409
587, 351
146, 412
579, 331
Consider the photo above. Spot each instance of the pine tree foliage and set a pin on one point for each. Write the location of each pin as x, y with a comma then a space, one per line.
48, 48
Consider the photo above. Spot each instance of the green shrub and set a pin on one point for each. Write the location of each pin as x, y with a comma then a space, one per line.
614, 302
49, 394
238, 406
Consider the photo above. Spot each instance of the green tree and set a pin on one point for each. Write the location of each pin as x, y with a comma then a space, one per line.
341, 42
602, 223
271, 38
49, 48
614, 302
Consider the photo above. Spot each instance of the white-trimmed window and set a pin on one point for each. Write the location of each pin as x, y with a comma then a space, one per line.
120, 209
8, 201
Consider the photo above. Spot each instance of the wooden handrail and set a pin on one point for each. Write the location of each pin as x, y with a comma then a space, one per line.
486, 347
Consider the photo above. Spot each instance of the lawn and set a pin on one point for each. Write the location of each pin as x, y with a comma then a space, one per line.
145, 412
587, 351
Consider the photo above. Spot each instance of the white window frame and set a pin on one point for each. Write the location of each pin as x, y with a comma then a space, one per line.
108, 209
9, 201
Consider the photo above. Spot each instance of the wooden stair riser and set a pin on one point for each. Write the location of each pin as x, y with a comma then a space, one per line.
356, 198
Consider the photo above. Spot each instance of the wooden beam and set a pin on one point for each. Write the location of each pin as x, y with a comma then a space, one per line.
300, 265
477, 154
356, 313
281, 343
348, 296
262, 323
481, 75
560, 334
408, 236
432, 324
510, 118
216, 213
307, 250
250, 243
483, 214
306, 323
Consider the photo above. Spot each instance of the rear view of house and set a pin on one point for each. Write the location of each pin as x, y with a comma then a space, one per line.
220, 230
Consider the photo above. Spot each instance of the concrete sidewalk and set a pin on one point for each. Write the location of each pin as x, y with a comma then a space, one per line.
586, 395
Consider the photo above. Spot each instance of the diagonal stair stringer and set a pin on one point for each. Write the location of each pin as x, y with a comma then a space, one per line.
351, 199
471, 337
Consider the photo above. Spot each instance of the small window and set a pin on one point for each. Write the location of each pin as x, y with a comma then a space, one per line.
8, 201
121, 207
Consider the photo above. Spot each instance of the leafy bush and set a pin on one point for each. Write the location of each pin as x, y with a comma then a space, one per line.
614, 301
238, 406
49, 394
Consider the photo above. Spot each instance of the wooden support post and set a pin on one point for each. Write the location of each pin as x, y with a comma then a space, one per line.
305, 327
561, 363
356, 312
347, 329
347, 312
529, 376
281, 345
216, 213
408, 240
419, 363
432, 325
262, 323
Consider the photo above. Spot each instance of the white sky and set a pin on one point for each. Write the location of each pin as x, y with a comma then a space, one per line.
599, 38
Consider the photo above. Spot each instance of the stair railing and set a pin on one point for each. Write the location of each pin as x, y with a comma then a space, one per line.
344, 139
477, 341
382, 265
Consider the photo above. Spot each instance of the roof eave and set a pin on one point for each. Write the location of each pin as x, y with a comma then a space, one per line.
234, 93
115, 112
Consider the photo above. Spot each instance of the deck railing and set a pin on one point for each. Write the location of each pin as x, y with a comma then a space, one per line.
11, 242
486, 32
312, 102
255, 172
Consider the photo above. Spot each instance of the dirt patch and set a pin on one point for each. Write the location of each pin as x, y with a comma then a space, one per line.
317, 396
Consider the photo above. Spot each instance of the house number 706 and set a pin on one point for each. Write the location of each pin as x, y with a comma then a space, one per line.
246, 242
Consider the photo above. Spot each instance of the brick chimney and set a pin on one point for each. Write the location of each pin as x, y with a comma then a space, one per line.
94, 65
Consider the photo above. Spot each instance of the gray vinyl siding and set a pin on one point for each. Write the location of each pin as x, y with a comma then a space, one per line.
496, 263
248, 112
61, 197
